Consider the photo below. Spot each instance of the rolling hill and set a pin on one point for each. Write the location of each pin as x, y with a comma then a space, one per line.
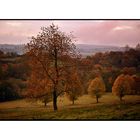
84, 49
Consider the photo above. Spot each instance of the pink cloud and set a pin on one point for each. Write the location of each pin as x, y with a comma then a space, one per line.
116, 32
104, 33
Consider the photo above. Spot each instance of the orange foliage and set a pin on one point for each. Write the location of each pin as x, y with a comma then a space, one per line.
50, 54
96, 87
73, 87
123, 85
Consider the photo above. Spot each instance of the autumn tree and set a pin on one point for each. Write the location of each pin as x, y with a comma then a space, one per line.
38, 88
53, 52
123, 85
73, 87
96, 87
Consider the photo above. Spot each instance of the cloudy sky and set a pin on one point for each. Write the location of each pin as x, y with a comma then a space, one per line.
107, 32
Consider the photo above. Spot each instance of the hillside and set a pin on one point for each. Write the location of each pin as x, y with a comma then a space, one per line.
16, 48
88, 49
85, 49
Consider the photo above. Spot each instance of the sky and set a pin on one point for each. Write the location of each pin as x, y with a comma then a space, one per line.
100, 32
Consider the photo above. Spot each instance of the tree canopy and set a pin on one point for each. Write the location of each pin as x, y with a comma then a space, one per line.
123, 85
51, 53
74, 86
96, 87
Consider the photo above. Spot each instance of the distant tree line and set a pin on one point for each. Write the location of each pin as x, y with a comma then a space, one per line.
110, 65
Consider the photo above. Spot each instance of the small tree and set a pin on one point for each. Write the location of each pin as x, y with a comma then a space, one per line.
123, 85
73, 87
46, 99
38, 88
96, 88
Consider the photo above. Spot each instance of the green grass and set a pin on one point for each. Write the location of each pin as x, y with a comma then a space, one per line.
108, 108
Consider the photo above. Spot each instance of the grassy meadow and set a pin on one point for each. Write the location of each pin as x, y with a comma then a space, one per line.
108, 108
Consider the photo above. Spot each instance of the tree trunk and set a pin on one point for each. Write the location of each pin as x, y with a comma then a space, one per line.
73, 102
45, 104
56, 81
120, 98
54, 100
97, 99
